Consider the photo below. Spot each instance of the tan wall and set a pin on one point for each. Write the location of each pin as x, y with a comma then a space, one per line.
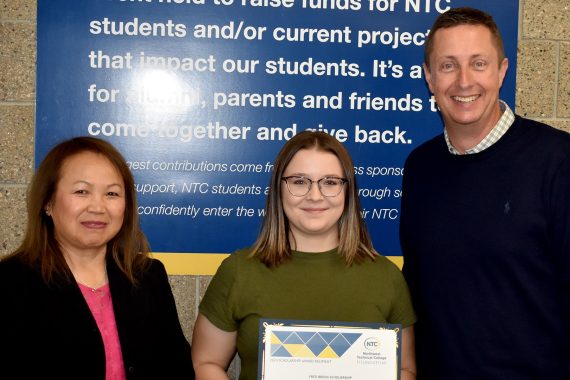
543, 93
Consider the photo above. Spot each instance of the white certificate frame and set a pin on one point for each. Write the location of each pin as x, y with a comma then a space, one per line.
328, 350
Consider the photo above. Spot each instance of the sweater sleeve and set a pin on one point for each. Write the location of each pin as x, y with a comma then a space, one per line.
408, 269
560, 223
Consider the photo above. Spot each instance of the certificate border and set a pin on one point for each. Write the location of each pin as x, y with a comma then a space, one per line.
264, 322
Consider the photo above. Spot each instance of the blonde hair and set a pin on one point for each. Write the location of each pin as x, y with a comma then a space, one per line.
272, 246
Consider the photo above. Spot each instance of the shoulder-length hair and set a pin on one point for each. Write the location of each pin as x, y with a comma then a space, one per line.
40, 249
272, 246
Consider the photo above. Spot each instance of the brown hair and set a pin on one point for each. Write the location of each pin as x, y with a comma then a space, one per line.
464, 16
39, 249
272, 246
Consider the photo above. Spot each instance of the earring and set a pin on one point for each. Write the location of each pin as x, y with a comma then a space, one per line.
48, 213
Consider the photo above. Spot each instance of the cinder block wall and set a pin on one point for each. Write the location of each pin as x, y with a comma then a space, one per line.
543, 93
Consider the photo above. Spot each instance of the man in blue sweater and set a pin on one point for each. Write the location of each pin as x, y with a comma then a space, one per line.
485, 221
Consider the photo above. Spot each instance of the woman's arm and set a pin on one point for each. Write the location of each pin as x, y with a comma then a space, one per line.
212, 350
408, 369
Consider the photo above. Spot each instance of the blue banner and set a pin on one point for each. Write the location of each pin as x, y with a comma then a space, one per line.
199, 95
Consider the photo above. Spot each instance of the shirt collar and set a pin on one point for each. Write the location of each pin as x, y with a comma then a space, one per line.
492, 137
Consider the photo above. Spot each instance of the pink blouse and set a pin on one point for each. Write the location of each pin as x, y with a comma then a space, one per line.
101, 306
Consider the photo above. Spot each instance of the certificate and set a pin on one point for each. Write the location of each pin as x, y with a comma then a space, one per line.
326, 350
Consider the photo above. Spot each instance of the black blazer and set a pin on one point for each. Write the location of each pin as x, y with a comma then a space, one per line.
49, 332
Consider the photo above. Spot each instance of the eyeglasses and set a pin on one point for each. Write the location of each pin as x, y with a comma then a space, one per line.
300, 186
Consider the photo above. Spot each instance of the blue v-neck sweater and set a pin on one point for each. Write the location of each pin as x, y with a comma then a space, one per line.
486, 244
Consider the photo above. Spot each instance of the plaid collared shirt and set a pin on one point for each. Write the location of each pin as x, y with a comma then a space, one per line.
496, 133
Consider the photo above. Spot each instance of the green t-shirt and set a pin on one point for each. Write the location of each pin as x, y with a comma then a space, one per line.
311, 286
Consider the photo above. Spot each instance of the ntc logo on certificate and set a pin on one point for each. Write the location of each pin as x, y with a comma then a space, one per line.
372, 344
328, 350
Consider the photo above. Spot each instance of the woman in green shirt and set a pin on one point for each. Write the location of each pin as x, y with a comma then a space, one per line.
313, 260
